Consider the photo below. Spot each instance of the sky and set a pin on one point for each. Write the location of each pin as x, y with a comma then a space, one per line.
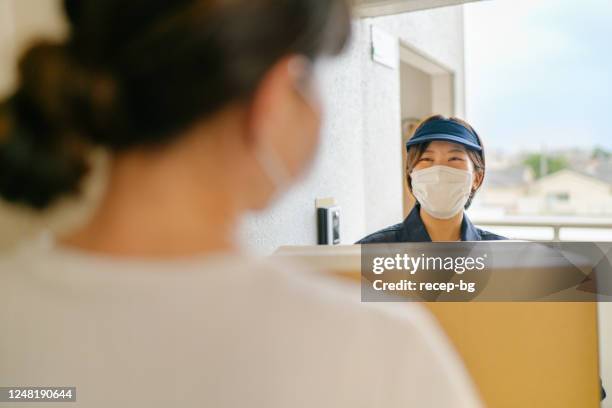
539, 73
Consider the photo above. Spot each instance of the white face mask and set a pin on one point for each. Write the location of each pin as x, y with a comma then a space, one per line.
442, 191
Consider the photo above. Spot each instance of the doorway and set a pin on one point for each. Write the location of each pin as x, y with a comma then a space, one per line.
426, 88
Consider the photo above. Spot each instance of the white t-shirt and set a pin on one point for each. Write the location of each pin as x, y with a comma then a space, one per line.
219, 331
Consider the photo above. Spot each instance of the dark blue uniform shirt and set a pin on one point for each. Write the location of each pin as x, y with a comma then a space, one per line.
413, 230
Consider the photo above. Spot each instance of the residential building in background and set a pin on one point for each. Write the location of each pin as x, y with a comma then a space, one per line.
582, 187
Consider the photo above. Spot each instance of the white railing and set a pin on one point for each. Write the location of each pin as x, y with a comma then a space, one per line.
545, 228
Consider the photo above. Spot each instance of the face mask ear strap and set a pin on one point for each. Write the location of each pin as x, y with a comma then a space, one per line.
301, 70
273, 167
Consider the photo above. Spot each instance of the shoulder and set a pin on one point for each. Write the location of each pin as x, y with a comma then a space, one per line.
489, 236
388, 234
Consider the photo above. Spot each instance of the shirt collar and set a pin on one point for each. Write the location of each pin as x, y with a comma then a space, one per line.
468, 231
414, 230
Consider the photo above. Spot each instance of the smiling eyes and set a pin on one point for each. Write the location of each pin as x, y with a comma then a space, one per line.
429, 159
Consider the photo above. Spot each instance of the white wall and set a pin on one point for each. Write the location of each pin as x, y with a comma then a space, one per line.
21, 22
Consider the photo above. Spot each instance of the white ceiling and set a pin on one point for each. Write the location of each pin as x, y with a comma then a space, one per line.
372, 8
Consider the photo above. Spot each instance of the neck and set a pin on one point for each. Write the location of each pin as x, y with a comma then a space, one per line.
442, 230
165, 204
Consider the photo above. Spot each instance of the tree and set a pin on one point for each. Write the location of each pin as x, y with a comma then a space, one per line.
600, 153
551, 165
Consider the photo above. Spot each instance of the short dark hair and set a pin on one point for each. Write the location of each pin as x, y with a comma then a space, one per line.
135, 73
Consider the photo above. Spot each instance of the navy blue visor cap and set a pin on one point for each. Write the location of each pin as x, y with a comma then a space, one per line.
445, 130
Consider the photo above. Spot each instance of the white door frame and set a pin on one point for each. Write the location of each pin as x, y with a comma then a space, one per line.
442, 93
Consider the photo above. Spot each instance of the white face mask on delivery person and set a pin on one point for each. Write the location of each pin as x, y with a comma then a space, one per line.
442, 191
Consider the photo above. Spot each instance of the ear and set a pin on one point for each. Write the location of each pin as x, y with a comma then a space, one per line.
281, 119
270, 103
477, 179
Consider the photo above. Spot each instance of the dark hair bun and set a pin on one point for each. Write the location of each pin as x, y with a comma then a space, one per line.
40, 157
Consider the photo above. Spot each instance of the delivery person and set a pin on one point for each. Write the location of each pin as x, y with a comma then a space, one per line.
445, 168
